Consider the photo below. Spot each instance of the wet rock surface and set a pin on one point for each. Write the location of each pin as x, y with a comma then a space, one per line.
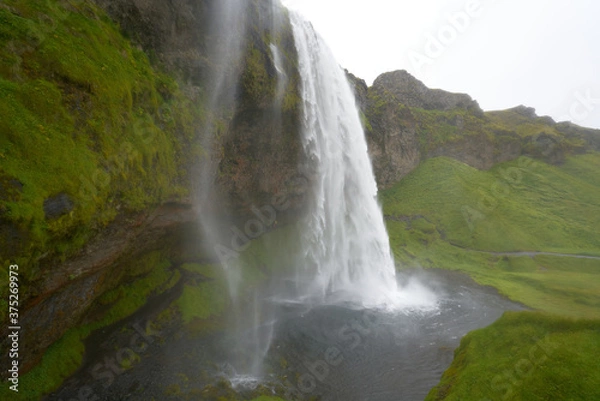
65, 291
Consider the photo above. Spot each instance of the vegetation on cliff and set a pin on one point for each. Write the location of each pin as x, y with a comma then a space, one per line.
91, 133
89, 130
146, 277
406, 126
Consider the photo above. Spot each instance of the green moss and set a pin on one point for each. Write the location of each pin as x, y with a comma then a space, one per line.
84, 114
435, 127
128, 298
377, 103
365, 122
291, 99
259, 86
203, 300
525, 356
60, 361
523, 125
208, 271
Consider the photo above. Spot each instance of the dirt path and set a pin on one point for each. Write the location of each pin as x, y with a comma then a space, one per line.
533, 254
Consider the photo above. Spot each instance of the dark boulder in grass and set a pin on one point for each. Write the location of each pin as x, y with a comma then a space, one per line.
58, 205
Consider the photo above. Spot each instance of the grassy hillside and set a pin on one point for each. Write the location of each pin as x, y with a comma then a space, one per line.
516, 206
86, 122
518, 227
525, 357
449, 215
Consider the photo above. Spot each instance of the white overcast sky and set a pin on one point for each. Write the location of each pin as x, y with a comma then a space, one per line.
541, 53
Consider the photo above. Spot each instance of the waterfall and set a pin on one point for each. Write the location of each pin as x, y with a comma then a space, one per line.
346, 254
282, 78
340, 251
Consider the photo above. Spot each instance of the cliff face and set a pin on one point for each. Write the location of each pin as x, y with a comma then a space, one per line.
406, 122
108, 128
392, 139
254, 147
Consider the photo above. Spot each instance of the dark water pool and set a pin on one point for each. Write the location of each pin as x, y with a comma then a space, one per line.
343, 354
325, 352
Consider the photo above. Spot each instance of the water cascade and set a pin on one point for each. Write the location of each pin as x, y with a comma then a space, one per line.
346, 253
341, 249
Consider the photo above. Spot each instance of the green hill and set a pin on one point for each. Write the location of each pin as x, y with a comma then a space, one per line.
528, 229
448, 215
525, 357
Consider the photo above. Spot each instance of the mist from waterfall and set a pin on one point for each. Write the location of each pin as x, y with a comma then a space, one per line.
341, 252
249, 336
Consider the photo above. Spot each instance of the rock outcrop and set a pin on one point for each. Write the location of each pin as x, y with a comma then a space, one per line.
361, 90
411, 92
406, 122
392, 139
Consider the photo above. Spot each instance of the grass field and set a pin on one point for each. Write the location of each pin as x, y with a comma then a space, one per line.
448, 215
525, 356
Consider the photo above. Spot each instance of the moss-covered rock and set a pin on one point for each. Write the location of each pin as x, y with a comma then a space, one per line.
89, 128
100, 135
93, 139
406, 122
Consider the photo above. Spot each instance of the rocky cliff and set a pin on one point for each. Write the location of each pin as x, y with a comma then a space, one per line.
111, 120
406, 122
254, 146
413, 93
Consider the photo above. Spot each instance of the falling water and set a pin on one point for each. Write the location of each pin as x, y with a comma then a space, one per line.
282, 78
346, 247
226, 49
345, 255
